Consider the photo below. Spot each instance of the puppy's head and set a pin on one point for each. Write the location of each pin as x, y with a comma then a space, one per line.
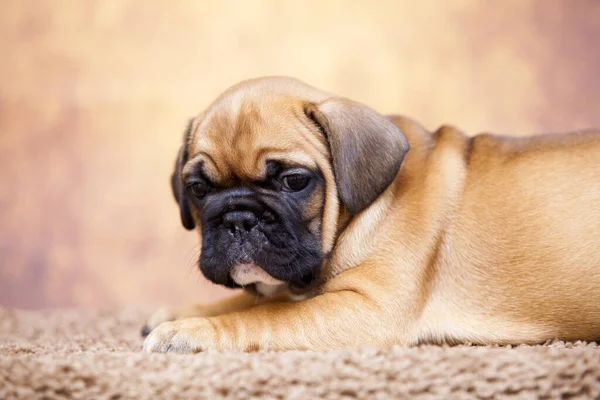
265, 173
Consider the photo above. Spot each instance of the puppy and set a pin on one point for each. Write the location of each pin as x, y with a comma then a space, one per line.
347, 228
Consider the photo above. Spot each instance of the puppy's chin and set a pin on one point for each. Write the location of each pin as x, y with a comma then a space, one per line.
249, 273
256, 280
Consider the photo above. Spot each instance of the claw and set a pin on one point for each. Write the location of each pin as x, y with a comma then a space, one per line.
145, 331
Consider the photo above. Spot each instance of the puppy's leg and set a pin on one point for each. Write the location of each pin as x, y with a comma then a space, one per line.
335, 319
237, 302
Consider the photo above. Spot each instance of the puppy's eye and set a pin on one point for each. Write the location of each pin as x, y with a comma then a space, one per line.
295, 183
198, 189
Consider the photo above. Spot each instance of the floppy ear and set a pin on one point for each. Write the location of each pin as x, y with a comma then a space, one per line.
367, 149
177, 184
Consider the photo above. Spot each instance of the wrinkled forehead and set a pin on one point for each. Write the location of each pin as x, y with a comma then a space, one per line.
236, 139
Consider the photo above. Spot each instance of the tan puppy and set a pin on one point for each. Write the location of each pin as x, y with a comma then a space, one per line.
301, 195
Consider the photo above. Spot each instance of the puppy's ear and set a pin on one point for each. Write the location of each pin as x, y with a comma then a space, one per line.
367, 149
179, 190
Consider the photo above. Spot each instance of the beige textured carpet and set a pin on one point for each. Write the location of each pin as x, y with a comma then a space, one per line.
83, 354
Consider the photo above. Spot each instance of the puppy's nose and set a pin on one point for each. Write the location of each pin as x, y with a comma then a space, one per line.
240, 221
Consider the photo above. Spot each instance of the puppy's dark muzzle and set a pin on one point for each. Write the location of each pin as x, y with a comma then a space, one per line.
244, 225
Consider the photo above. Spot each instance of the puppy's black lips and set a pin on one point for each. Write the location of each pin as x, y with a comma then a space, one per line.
231, 284
303, 284
251, 289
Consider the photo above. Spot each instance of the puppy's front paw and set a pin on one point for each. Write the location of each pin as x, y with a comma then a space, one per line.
184, 336
161, 315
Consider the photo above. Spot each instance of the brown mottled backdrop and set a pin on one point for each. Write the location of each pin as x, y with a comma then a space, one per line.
94, 96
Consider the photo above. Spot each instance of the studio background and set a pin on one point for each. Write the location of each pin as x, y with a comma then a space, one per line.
94, 96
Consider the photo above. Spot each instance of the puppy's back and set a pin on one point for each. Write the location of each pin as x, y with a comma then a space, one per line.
528, 231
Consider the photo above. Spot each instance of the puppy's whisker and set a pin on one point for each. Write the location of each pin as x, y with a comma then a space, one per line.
192, 259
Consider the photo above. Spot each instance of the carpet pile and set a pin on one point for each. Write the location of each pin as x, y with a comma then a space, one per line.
97, 354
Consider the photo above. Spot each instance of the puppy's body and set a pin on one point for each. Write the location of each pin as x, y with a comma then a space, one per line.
506, 232
484, 239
